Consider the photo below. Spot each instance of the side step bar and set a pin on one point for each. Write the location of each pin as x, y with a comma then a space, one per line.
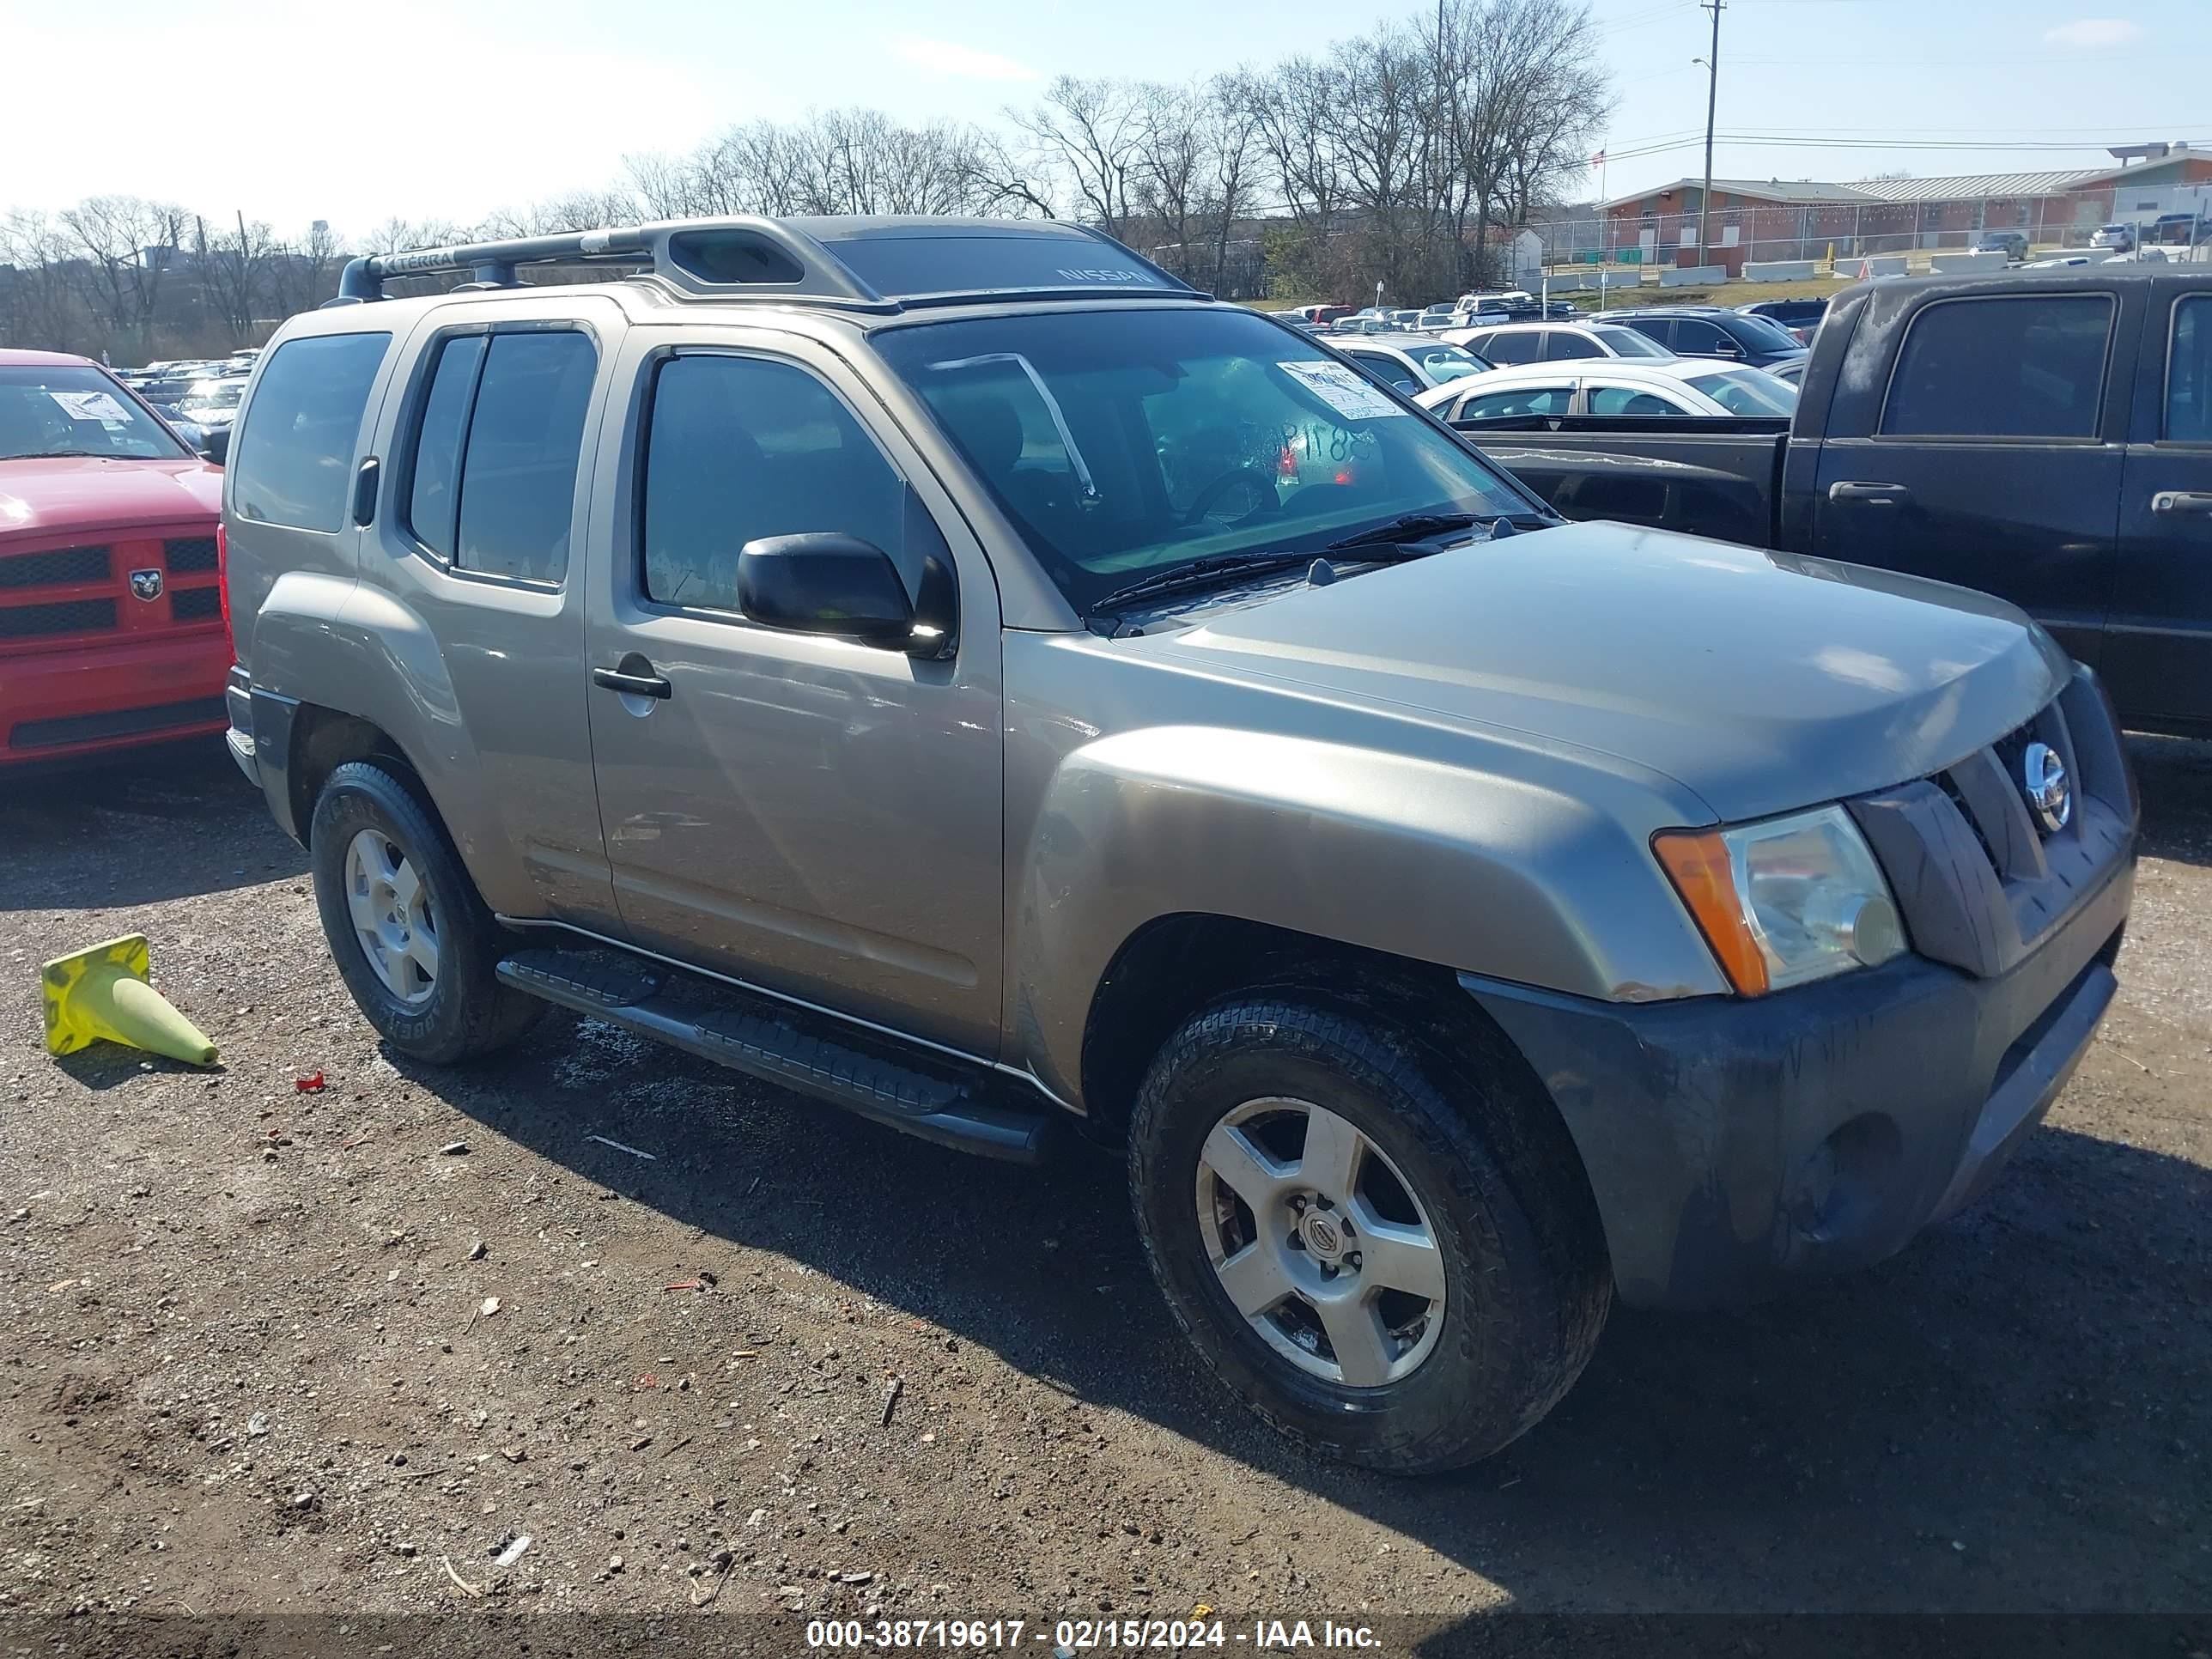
763, 1040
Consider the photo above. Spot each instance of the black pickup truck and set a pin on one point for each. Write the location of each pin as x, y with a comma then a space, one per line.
2045, 435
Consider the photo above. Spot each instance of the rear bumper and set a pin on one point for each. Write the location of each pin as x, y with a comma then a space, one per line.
1732, 1143
260, 738
111, 695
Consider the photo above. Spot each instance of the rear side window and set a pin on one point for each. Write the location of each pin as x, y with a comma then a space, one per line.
2026, 367
519, 462
434, 491
1559, 345
740, 448
1520, 400
292, 464
2188, 374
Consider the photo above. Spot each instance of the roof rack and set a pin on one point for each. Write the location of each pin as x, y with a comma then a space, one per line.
881, 263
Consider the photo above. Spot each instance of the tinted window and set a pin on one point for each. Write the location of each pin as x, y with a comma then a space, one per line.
2189, 375
293, 463
519, 466
1560, 345
740, 448
1391, 371
1507, 346
432, 496
1630, 400
1762, 334
1695, 337
2032, 367
1517, 400
1628, 342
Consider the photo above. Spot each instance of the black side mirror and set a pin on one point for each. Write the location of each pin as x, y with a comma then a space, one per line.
826, 583
214, 444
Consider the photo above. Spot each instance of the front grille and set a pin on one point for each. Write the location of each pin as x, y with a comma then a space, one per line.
116, 723
188, 554
195, 604
24, 621
68, 564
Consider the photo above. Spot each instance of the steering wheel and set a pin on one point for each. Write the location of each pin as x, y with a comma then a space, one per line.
1257, 480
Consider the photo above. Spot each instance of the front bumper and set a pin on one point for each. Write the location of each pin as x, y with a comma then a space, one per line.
113, 693
1731, 1142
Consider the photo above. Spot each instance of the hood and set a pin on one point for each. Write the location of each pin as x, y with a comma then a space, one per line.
1762, 682
70, 493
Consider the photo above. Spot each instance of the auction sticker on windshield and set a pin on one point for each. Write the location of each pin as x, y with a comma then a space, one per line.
89, 405
1343, 390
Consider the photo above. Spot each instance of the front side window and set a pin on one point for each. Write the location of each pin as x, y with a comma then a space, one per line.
740, 448
1509, 346
293, 463
1762, 334
1560, 346
77, 411
2189, 372
519, 457
2029, 366
1630, 400
1630, 343
1446, 362
1123, 444
1694, 338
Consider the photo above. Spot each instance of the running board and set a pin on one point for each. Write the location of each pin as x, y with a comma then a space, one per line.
766, 1041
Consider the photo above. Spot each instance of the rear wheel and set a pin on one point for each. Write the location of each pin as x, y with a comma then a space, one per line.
1392, 1254
412, 938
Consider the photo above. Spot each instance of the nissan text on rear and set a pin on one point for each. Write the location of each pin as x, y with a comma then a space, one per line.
953, 670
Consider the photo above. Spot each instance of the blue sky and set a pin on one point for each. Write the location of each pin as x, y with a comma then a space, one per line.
447, 108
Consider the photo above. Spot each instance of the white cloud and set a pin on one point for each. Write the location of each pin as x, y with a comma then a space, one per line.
949, 58
2090, 33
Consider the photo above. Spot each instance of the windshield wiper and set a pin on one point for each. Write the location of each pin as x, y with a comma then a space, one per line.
1201, 573
1407, 527
60, 455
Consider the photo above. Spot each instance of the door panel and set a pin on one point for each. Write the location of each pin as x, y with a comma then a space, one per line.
1995, 462
813, 815
2158, 658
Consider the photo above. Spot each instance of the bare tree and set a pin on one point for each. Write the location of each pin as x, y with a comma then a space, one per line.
41, 303
1090, 132
131, 245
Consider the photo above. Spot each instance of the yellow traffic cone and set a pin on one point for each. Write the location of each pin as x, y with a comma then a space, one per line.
103, 992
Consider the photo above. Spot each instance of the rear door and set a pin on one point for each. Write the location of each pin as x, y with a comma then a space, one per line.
1987, 452
2158, 648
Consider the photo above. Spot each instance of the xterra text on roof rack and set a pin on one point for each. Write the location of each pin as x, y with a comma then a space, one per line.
954, 670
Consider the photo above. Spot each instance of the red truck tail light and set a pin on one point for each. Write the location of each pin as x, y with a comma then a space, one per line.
223, 573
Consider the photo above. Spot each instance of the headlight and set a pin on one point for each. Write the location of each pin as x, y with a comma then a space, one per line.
1786, 901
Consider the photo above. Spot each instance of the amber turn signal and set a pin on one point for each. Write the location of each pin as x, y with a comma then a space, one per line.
1697, 864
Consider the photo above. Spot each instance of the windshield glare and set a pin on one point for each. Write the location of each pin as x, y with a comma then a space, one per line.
1746, 391
1446, 362
1627, 343
76, 412
1764, 334
1123, 444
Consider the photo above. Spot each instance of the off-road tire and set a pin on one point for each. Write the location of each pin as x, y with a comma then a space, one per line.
1527, 1282
470, 1013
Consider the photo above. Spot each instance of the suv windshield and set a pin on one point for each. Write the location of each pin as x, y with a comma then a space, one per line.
63, 411
1124, 444
1761, 334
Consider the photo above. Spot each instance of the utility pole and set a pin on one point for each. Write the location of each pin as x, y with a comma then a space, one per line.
1712, 98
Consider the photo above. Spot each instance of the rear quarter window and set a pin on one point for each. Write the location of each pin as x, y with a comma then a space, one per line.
292, 461
2014, 366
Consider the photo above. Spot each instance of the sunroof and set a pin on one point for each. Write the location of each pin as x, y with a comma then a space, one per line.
916, 263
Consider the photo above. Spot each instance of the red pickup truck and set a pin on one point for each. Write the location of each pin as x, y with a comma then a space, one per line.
111, 625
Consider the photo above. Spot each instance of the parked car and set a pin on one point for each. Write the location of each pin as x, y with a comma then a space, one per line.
2177, 230
1678, 387
211, 404
949, 711
1439, 316
1791, 373
1529, 343
1797, 317
112, 631
1413, 366
2013, 244
1321, 316
2120, 238
1712, 332
2048, 440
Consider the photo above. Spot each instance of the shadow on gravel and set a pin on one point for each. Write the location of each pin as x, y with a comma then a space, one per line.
77, 837
2175, 776
2011, 1416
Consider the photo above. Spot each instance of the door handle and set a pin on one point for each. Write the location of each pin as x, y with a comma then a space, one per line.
364, 492
647, 684
1863, 489
2182, 501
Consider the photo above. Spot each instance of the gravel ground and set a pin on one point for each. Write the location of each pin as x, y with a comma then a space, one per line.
272, 1352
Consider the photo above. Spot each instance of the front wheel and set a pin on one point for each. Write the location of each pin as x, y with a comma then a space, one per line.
412, 938
1397, 1263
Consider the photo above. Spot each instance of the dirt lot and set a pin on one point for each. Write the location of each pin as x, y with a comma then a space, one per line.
249, 1365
